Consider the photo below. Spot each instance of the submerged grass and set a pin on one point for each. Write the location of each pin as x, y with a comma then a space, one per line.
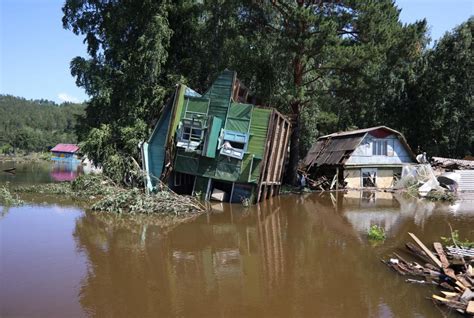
455, 240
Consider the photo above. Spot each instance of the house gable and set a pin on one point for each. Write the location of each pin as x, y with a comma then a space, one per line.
391, 151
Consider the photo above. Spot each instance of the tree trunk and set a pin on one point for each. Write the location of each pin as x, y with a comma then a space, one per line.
292, 171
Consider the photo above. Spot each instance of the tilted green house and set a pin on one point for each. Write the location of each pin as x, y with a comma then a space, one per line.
217, 145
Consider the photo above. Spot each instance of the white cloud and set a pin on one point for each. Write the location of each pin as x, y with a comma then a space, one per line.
64, 97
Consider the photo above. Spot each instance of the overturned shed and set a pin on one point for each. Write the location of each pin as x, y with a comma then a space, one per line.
217, 145
364, 158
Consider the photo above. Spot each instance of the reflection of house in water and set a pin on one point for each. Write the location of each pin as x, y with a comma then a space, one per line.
234, 258
384, 209
65, 170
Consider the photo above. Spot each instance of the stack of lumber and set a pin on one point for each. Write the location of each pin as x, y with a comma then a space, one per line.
450, 268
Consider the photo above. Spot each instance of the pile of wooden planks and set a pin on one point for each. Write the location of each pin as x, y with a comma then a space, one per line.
450, 268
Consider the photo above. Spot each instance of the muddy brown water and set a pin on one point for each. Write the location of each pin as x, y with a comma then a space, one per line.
293, 256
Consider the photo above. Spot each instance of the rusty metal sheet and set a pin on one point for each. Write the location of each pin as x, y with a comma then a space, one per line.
332, 151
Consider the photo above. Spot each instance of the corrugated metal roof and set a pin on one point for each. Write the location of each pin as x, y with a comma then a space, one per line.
69, 148
332, 151
335, 149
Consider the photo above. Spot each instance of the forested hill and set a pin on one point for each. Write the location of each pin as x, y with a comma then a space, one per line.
36, 125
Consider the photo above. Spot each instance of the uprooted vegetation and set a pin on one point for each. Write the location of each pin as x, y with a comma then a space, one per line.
104, 195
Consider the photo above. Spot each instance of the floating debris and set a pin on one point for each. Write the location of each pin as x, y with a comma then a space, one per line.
450, 268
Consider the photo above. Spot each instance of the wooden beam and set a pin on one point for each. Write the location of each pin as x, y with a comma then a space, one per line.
281, 135
426, 250
282, 161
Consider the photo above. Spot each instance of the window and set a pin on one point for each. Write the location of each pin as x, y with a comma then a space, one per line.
379, 147
190, 134
233, 144
369, 178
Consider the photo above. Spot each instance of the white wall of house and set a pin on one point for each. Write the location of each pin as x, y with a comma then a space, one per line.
383, 177
395, 152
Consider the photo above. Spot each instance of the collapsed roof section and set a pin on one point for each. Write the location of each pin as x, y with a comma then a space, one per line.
335, 149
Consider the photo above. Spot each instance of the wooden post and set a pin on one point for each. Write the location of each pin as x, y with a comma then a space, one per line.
337, 178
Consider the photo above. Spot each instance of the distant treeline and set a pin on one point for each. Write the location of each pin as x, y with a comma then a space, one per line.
36, 125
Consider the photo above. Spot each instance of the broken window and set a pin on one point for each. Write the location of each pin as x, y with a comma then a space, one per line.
190, 134
233, 144
369, 178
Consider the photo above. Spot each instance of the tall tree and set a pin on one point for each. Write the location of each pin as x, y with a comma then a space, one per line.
445, 98
126, 42
315, 53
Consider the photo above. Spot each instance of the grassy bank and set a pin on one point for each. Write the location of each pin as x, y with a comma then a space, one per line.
24, 156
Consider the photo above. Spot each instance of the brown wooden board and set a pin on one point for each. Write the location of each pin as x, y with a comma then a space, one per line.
426, 250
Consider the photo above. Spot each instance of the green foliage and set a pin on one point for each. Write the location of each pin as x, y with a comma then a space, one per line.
30, 125
455, 240
376, 233
333, 65
440, 195
442, 99
7, 199
126, 42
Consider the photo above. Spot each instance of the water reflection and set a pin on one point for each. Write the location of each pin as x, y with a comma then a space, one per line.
304, 256
65, 170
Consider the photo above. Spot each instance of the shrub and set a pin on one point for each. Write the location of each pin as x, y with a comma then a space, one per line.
376, 233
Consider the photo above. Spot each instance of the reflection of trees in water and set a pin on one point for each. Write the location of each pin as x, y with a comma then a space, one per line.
4, 211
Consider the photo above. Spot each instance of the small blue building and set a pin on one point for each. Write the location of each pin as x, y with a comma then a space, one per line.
363, 158
65, 152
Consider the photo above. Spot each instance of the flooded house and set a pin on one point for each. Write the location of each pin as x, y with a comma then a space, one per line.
363, 158
217, 145
65, 152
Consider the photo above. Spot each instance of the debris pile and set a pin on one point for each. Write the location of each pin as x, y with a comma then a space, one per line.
450, 268
452, 164
420, 180
104, 195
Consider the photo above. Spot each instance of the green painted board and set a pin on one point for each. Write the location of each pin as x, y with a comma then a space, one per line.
220, 95
258, 131
213, 137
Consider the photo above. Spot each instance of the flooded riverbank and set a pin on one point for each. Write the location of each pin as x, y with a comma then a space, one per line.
293, 256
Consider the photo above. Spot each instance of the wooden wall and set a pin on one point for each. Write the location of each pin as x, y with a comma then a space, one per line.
276, 155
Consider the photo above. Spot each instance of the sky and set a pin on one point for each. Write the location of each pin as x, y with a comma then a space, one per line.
35, 50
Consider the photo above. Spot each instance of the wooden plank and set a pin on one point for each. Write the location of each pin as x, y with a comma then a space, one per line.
470, 308
426, 250
463, 281
450, 294
442, 256
444, 300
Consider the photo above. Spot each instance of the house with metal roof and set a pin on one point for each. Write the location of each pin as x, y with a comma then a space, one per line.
363, 158
65, 152
218, 145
